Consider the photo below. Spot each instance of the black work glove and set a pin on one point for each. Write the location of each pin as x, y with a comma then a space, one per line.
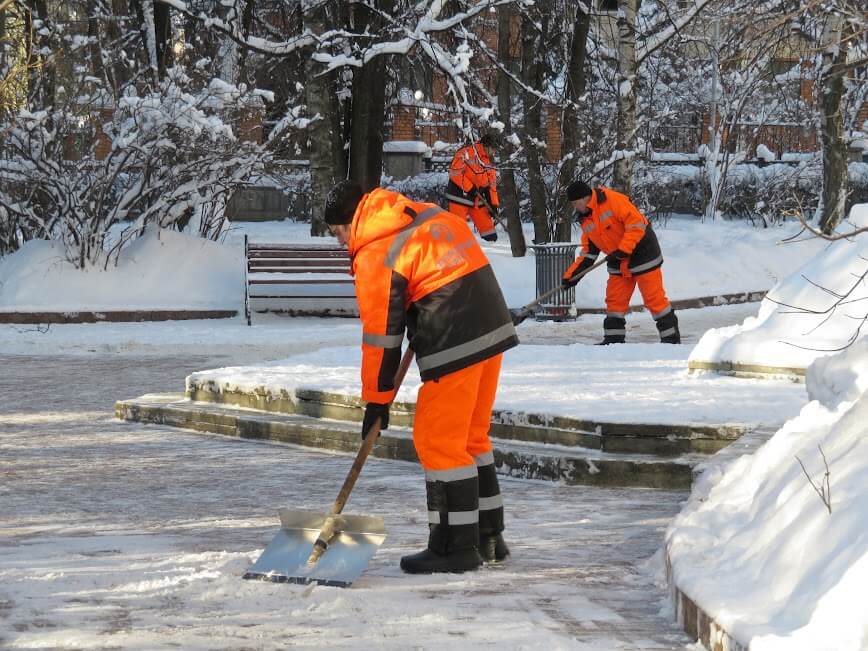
491, 237
372, 411
616, 256
566, 283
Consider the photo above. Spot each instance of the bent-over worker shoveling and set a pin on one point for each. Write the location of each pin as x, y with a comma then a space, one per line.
419, 269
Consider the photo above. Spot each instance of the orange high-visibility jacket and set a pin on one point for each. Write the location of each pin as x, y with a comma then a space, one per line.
420, 268
614, 223
471, 173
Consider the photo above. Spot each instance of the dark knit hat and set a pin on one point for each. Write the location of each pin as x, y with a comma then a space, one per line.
577, 190
341, 202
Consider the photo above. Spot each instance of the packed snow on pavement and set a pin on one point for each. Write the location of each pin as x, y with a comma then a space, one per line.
124, 536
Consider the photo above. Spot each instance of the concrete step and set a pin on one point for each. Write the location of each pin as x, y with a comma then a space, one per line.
570, 464
639, 438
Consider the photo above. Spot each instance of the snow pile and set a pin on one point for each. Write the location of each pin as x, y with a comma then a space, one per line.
756, 547
633, 383
160, 270
815, 311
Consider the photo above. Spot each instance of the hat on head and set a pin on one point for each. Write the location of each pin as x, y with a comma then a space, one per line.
341, 202
577, 190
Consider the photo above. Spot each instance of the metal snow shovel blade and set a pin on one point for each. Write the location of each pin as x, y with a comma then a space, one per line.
519, 314
327, 548
354, 542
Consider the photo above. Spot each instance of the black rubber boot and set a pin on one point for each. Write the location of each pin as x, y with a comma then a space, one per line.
492, 547
451, 547
667, 326
614, 329
429, 561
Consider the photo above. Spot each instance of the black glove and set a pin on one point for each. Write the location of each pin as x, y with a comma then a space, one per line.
372, 411
566, 283
491, 237
616, 256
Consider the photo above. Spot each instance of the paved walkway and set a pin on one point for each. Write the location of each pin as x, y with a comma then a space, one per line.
115, 535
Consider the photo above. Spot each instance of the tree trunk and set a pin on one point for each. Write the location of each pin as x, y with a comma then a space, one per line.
531, 74
326, 160
97, 64
506, 183
119, 75
831, 88
368, 113
43, 77
163, 37
622, 176
571, 133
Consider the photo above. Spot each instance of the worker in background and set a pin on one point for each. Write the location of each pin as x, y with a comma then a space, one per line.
472, 189
611, 224
420, 268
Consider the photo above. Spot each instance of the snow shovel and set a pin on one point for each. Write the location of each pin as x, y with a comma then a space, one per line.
327, 548
519, 314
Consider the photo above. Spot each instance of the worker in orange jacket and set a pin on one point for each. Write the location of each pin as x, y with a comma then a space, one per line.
472, 188
612, 224
420, 268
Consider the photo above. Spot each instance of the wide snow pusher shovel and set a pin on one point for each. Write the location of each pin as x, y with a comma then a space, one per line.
519, 314
327, 548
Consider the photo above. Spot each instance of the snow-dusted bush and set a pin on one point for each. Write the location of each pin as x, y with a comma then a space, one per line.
172, 152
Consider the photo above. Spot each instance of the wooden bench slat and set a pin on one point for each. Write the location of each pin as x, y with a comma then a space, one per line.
304, 255
295, 266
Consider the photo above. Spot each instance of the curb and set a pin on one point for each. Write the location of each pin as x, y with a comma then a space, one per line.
737, 369
666, 440
692, 303
524, 460
114, 316
698, 624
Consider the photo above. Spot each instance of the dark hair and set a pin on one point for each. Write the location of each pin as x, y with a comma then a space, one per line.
577, 190
342, 201
489, 139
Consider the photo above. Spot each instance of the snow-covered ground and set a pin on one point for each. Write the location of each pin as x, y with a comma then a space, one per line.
115, 535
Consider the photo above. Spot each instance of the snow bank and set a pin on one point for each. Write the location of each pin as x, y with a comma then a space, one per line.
756, 547
160, 270
804, 316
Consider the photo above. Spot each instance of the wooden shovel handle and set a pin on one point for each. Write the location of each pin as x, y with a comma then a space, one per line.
327, 530
539, 299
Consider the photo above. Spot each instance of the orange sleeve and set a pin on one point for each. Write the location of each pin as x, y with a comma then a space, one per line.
381, 352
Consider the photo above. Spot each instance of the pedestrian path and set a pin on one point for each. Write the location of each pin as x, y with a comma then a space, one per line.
119, 534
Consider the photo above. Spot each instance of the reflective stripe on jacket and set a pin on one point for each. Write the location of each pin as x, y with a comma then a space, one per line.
613, 223
419, 267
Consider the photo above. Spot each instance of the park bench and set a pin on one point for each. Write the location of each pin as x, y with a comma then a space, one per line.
298, 280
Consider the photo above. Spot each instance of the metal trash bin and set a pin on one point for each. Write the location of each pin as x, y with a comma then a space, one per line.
552, 261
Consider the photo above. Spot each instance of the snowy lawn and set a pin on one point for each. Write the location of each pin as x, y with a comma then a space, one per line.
170, 270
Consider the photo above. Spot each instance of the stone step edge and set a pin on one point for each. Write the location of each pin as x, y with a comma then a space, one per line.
713, 300
289, 403
510, 461
737, 369
114, 316
697, 623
